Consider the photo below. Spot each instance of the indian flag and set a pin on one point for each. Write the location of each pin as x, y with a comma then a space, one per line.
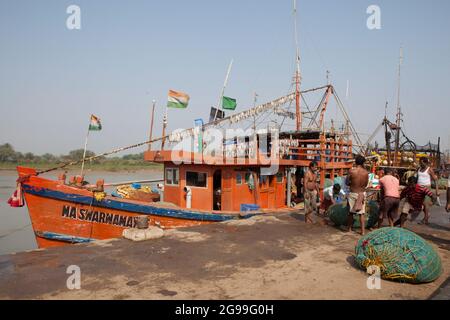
95, 124
177, 99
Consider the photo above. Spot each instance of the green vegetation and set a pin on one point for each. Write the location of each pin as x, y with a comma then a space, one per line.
9, 159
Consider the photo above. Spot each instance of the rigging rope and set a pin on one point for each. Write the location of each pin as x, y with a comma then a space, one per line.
243, 115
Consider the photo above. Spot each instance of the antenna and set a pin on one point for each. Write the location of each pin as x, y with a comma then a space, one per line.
297, 50
385, 110
399, 109
297, 73
347, 90
400, 61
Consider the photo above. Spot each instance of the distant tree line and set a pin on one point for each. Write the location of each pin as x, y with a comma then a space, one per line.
9, 155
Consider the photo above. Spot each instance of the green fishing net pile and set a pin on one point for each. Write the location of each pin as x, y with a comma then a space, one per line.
338, 214
400, 254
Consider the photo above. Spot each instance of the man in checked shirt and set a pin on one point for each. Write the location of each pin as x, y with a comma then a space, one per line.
415, 195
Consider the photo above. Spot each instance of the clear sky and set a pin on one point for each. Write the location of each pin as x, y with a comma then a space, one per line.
128, 53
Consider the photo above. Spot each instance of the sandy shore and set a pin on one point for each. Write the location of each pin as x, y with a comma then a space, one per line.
271, 257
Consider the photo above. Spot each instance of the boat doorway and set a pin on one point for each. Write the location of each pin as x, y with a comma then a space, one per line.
217, 190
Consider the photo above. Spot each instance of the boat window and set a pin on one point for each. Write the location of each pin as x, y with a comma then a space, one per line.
196, 179
238, 178
172, 175
280, 177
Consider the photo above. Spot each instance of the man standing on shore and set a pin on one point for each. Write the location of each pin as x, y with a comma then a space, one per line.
357, 180
390, 198
424, 176
311, 190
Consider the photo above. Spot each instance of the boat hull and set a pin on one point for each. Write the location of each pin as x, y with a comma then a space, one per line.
62, 214
57, 222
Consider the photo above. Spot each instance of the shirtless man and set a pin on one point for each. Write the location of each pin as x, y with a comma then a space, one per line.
311, 190
357, 180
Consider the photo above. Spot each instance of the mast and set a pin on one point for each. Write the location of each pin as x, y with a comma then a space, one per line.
298, 114
399, 110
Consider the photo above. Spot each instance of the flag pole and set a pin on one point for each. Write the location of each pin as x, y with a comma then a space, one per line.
219, 104
151, 125
84, 152
164, 129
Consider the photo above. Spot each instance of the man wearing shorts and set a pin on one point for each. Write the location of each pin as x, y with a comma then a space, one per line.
425, 175
415, 195
390, 198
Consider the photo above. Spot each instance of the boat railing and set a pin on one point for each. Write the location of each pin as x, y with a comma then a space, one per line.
294, 149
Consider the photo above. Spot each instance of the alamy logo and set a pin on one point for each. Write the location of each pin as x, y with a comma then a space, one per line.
374, 20
74, 280
73, 21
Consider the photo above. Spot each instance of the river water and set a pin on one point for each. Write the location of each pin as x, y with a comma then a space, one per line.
16, 233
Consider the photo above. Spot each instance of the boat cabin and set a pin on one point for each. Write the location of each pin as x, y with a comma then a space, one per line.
238, 180
229, 188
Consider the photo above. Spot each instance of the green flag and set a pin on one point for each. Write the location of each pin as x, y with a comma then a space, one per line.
228, 103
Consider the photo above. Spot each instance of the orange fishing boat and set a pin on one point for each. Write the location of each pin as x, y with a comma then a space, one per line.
62, 213
197, 189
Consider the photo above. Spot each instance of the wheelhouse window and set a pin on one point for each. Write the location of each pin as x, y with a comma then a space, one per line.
196, 179
172, 176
